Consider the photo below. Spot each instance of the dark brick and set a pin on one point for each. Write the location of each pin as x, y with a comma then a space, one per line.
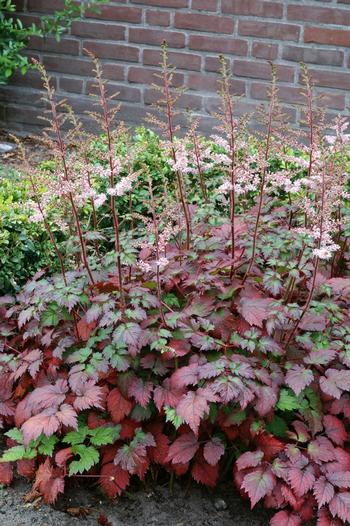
155, 37
118, 14
262, 70
205, 5
112, 51
330, 79
66, 45
253, 8
71, 84
273, 30
201, 22
213, 64
186, 100
200, 82
263, 50
142, 75
157, 17
311, 55
188, 61
332, 37
162, 3
117, 91
98, 30
325, 15
217, 44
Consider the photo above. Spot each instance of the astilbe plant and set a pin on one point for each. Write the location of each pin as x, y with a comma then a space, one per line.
208, 335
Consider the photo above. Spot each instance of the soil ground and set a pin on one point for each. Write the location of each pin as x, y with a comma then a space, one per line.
156, 507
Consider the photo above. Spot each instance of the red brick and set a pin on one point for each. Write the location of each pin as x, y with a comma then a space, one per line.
213, 64
158, 18
98, 30
112, 51
290, 94
43, 5
117, 91
213, 105
311, 55
155, 37
162, 3
148, 76
70, 84
330, 79
253, 8
262, 50
61, 64
211, 23
32, 79
268, 30
262, 70
66, 45
334, 37
82, 67
113, 71
205, 5
218, 44
325, 15
188, 61
200, 82
185, 100
118, 13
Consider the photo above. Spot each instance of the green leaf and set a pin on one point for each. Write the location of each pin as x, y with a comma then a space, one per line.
76, 437
88, 457
277, 427
47, 445
101, 436
288, 401
15, 434
173, 417
13, 454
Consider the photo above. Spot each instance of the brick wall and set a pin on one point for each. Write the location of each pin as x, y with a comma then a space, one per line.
126, 36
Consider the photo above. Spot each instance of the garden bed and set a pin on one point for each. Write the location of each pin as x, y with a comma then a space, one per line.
156, 507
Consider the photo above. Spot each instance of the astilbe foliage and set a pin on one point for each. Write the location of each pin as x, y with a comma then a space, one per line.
214, 333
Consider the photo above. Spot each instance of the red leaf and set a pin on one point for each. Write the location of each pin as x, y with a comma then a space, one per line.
213, 451
298, 378
63, 456
323, 491
301, 480
250, 459
324, 519
85, 329
88, 395
339, 478
335, 382
269, 445
284, 518
48, 422
113, 479
258, 484
321, 450
184, 376
49, 482
193, 406
141, 391
183, 449
118, 406
26, 468
339, 506
165, 394
255, 310
6, 473
335, 429
205, 473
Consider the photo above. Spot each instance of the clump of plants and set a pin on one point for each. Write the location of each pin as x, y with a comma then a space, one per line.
200, 336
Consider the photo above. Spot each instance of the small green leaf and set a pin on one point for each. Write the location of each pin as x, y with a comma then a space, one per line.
88, 457
102, 436
47, 445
